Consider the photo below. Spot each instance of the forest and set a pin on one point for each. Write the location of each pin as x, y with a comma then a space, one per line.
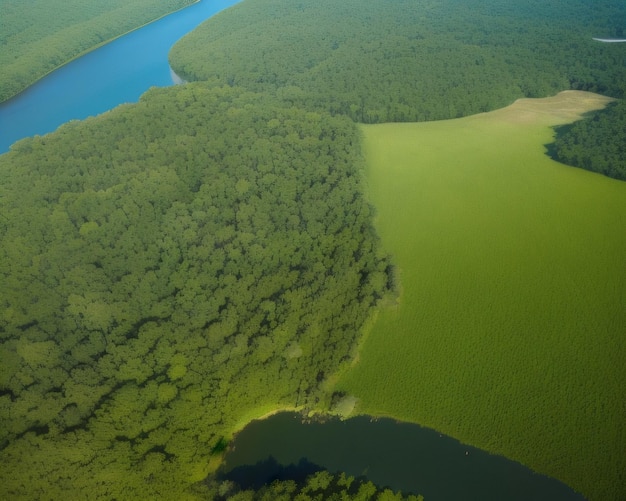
39, 35
174, 268
597, 144
406, 61
390, 62
319, 486
167, 268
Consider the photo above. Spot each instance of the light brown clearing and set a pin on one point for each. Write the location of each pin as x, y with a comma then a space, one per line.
565, 107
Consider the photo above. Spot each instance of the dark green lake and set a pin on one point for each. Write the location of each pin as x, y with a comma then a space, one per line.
401, 456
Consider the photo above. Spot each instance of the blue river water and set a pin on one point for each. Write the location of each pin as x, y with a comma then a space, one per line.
116, 73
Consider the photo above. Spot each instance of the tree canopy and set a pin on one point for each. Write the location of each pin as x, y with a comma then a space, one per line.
319, 486
408, 60
597, 144
167, 268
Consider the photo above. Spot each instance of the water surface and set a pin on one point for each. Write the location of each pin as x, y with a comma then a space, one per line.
116, 73
402, 456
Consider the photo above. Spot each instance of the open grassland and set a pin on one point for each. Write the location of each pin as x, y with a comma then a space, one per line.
510, 332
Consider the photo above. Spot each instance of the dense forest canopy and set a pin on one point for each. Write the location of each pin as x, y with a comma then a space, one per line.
168, 268
39, 35
408, 60
318, 486
597, 144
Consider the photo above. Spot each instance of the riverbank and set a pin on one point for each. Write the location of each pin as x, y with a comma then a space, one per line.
94, 48
402, 456
119, 71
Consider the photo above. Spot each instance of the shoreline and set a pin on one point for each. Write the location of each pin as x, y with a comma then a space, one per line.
323, 418
265, 412
95, 47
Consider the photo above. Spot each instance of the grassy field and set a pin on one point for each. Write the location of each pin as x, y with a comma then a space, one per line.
510, 332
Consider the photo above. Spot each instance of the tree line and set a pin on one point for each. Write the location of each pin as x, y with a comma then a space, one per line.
166, 268
319, 486
405, 60
597, 144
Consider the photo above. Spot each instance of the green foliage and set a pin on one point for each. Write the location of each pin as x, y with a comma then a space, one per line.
37, 36
509, 334
159, 263
173, 266
320, 486
381, 61
597, 144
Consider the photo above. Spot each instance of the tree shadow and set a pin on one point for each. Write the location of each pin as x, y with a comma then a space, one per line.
266, 471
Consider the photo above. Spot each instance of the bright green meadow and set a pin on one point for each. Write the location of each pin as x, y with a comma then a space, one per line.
509, 332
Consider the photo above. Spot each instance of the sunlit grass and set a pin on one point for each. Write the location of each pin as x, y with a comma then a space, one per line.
510, 333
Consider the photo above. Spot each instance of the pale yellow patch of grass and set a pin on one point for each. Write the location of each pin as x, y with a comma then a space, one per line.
565, 107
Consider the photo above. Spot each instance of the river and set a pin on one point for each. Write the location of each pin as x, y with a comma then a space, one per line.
118, 72
402, 456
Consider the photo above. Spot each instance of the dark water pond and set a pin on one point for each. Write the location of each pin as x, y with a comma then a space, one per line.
116, 73
402, 456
